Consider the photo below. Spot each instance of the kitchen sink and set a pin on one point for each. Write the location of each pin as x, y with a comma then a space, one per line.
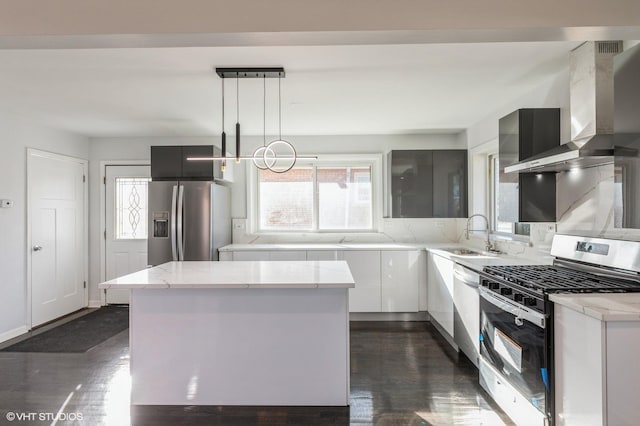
464, 252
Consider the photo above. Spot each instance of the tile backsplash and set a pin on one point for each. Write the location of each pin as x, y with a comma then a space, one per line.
393, 231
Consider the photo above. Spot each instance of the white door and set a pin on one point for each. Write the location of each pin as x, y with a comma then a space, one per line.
56, 190
126, 224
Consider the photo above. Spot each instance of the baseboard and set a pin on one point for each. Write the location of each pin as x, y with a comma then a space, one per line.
8, 335
389, 316
95, 303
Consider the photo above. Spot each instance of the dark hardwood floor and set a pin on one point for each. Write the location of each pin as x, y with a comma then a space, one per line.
402, 373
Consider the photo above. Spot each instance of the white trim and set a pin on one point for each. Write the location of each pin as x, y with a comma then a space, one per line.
374, 160
32, 152
8, 335
103, 219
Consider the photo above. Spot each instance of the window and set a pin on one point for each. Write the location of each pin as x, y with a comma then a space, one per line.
509, 200
286, 199
318, 197
131, 208
344, 197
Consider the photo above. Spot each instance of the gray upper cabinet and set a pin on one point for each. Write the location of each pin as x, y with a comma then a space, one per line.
170, 162
428, 183
527, 197
627, 139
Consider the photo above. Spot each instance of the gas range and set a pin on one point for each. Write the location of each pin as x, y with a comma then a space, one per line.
527, 285
517, 320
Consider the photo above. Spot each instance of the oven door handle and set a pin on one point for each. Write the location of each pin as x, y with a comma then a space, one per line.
519, 312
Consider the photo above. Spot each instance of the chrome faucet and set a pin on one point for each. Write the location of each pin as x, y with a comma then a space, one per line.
488, 246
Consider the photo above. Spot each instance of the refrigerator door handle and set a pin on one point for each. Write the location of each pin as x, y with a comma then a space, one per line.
180, 215
174, 255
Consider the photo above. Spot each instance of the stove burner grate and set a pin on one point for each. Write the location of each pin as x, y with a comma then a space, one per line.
549, 279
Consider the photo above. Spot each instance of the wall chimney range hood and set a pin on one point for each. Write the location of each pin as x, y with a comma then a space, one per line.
593, 142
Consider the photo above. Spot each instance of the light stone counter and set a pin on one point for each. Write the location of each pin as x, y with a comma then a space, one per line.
321, 246
603, 307
477, 263
183, 275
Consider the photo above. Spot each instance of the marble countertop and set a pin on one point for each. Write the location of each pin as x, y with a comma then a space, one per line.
477, 263
322, 246
603, 307
309, 274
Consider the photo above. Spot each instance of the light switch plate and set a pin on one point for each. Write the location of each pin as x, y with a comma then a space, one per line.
6, 204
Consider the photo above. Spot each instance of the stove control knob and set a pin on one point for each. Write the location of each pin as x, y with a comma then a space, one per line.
530, 301
506, 291
518, 297
494, 286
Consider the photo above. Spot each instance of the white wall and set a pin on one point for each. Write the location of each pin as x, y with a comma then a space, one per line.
105, 149
112, 150
16, 135
482, 138
584, 198
397, 230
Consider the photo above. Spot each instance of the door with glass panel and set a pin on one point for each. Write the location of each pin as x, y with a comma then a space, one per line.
126, 224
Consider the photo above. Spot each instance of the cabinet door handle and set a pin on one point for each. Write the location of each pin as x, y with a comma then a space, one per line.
37, 248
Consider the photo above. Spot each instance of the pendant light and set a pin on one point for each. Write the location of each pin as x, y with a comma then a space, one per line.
258, 154
223, 166
280, 155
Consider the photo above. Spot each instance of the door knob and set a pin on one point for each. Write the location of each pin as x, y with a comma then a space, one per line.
37, 248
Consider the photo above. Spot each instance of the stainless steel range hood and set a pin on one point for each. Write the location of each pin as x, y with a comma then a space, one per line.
592, 114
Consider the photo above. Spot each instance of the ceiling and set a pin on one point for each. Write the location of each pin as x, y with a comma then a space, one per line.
368, 89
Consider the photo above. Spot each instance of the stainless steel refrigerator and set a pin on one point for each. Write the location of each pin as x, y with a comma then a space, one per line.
188, 220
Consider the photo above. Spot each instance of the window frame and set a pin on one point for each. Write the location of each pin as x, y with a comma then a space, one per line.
493, 174
374, 161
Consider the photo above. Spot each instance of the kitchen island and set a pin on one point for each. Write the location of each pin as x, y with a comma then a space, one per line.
239, 333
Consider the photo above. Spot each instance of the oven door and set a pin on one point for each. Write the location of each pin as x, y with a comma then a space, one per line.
513, 340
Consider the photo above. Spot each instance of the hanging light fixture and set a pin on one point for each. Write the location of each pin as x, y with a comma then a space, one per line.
223, 166
279, 156
237, 118
258, 154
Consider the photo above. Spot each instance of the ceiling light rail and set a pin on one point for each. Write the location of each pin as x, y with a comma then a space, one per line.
262, 72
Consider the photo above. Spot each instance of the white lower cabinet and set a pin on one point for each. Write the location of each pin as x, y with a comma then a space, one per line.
440, 291
385, 281
250, 255
365, 267
466, 307
275, 255
596, 370
288, 255
225, 256
400, 277
324, 255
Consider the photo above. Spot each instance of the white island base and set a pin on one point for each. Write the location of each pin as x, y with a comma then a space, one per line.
275, 341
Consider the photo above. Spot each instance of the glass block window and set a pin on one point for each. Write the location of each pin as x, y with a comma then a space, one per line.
131, 208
